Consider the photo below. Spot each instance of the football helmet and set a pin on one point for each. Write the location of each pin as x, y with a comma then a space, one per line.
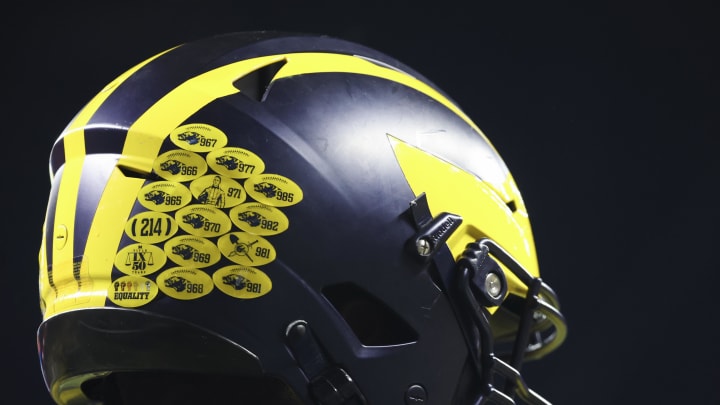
282, 218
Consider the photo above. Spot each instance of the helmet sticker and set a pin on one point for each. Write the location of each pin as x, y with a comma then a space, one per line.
273, 189
203, 220
259, 219
218, 191
184, 283
140, 259
132, 291
242, 282
164, 196
246, 249
151, 227
198, 137
179, 165
224, 205
192, 251
237, 163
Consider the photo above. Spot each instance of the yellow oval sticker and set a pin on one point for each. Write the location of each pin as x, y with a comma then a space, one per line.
184, 283
192, 251
242, 282
151, 227
179, 165
140, 259
259, 219
164, 196
246, 249
273, 189
132, 291
198, 137
203, 220
237, 163
218, 191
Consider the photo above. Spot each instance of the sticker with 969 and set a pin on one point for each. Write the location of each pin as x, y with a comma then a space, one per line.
192, 251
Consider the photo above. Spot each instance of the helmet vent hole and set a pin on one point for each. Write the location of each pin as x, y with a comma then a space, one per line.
135, 173
256, 83
511, 204
372, 321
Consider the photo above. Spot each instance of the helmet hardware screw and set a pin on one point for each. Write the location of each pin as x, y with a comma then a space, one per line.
424, 247
415, 395
493, 285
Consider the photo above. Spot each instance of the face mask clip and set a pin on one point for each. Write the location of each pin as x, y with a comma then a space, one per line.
472, 293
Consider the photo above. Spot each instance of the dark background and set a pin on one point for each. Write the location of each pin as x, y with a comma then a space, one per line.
606, 114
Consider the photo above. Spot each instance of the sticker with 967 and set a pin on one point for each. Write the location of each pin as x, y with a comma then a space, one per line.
198, 137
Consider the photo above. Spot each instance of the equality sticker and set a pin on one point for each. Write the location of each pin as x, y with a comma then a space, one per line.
192, 251
218, 191
242, 282
203, 220
179, 165
259, 219
140, 259
184, 283
273, 189
132, 291
198, 137
237, 163
164, 196
151, 227
246, 249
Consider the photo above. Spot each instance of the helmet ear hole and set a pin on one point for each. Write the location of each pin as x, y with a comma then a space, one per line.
372, 321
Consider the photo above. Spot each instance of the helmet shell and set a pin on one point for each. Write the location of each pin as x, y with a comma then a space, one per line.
219, 191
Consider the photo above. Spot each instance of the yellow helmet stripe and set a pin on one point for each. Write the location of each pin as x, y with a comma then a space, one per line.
147, 134
63, 267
